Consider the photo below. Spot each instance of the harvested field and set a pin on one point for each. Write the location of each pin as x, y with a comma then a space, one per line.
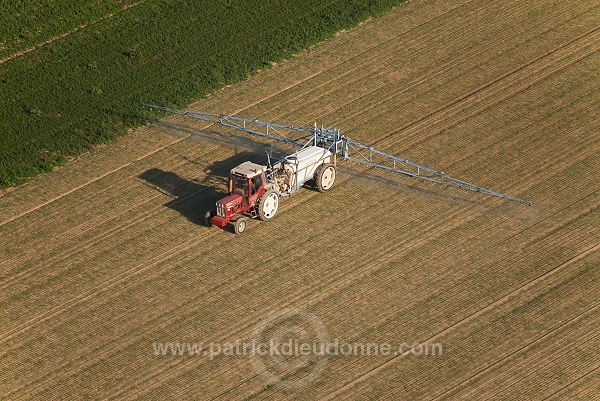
105, 256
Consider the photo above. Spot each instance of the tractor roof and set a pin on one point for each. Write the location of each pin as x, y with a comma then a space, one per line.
248, 169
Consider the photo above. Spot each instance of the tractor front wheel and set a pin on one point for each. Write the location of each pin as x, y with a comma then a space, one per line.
268, 205
207, 216
240, 225
325, 176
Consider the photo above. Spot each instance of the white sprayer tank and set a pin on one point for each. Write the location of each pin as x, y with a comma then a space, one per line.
305, 162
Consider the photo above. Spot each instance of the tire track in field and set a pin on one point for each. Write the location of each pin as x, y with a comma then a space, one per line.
78, 187
555, 107
582, 338
108, 216
521, 89
383, 140
453, 63
81, 27
489, 83
464, 101
513, 93
494, 149
48, 218
585, 376
358, 72
129, 184
520, 351
383, 99
101, 237
258, 101
469, 97
528, 286
94, 240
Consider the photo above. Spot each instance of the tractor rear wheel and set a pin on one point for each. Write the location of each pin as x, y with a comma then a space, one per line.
325, 176
268, 205
240, 225
207, 216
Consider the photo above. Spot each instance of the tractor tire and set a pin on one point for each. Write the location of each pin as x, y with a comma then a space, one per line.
207, 216
325, 177
240, 225
268, 205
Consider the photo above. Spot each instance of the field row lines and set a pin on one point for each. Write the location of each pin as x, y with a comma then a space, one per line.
304, 298
107, 234
387, 94
460, 103
240, 284
351, 74
201, 296
524, 288
505, 81
562, 389
257, 376
86, 225
521, 350
76, 233
585, 339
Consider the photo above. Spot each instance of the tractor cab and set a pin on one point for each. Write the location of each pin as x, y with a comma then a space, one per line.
246, 187
247, 180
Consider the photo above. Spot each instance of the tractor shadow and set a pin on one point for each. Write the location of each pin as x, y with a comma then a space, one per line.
192, 198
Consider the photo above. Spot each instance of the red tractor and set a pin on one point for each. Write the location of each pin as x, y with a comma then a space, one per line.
248, 194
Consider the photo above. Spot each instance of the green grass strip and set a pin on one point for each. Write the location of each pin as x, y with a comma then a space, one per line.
86, 88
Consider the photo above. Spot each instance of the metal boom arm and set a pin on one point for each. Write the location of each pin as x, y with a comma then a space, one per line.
340, 145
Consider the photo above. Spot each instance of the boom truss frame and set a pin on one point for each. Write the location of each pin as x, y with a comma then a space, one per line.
341, 146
